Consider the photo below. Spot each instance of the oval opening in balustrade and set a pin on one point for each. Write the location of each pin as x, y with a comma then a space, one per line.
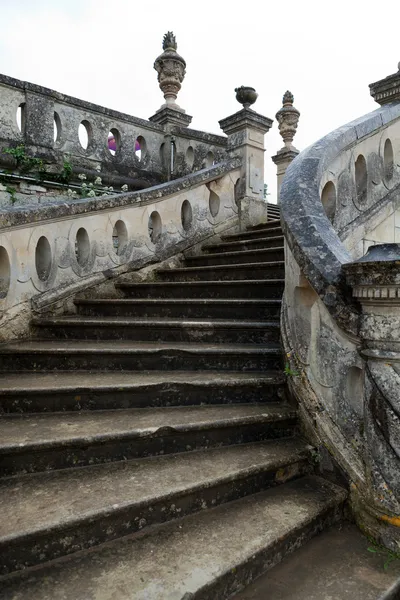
186, 215
209, 161
189, 157
328, 199
114, 141
82, 246
155, 226
20, 117
119, 237
214, 203
43, 258
355, 389
85, 134
388, 160
56, 127
140, 148
361, 179
163, 155
5, 272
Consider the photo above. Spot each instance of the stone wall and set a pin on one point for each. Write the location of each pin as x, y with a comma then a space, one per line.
340, 196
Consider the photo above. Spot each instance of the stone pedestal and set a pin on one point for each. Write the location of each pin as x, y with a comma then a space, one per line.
375, 279
245, 130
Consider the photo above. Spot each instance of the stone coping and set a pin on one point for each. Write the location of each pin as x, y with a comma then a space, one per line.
315, 244
63, 209
203, 136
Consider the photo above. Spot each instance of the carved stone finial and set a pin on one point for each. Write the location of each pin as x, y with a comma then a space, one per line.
169, 41
288, 118
246, 95
171, 69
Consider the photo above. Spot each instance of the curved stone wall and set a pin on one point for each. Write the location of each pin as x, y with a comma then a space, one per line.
340, 196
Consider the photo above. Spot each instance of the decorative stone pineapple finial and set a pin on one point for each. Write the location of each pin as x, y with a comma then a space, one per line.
288, 118
170, 67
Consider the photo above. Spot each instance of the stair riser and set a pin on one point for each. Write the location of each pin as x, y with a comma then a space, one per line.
125, 448
235, 580
273, 242
250, 256
251, 271
41, 547
159, 361
161, 334
259, 290
271, 230
165, 394
183, 310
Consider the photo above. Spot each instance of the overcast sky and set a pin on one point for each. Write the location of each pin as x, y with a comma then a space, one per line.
325, 53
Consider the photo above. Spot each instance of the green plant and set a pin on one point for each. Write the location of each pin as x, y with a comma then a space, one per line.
66, 173
25, 163
12, 191
315, 456
389, 555
289, 372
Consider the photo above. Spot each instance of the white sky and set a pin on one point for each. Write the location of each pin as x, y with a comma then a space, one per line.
325, 53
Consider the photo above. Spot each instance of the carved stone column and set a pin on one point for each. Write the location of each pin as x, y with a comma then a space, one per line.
375, 279
245, 130
288, 118
171, 69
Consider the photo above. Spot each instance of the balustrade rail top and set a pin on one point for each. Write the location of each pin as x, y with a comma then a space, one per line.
29, 214
83, 104
210, 138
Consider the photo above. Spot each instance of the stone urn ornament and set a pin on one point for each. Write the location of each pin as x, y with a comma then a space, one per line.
288, 118
171, 69
246, 95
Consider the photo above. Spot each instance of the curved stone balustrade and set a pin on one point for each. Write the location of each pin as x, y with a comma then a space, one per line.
50, 252
54, 126
340, 196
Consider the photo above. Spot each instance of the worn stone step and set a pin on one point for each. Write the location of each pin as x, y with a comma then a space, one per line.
47, 515
47, 355
250, 270
265, 255
101, 390
164, 330
265, 242
252, 289
271, 229
34, 443
186, 308
188, 558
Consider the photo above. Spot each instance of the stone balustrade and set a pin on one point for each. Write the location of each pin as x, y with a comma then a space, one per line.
93, 139
338, 198
52, 251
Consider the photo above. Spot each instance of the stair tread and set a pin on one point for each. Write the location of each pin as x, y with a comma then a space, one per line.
234, 253
79, 381
19, 433
156, 322
250, 234
42, 502
128, 347
186, 555
205, 283
243, 242
194, 301
239, 266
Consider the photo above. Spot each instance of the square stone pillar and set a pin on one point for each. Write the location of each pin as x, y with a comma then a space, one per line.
282, 160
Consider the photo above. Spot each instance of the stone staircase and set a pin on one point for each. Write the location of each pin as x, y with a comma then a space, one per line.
148, 446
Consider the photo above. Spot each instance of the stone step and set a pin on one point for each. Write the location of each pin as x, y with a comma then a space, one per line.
251, 289
271, 229
154, 330
265, 255
48, 515
106, 390
185, 308
265, 242
48, 355
188, 558
251, 270
33, 443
